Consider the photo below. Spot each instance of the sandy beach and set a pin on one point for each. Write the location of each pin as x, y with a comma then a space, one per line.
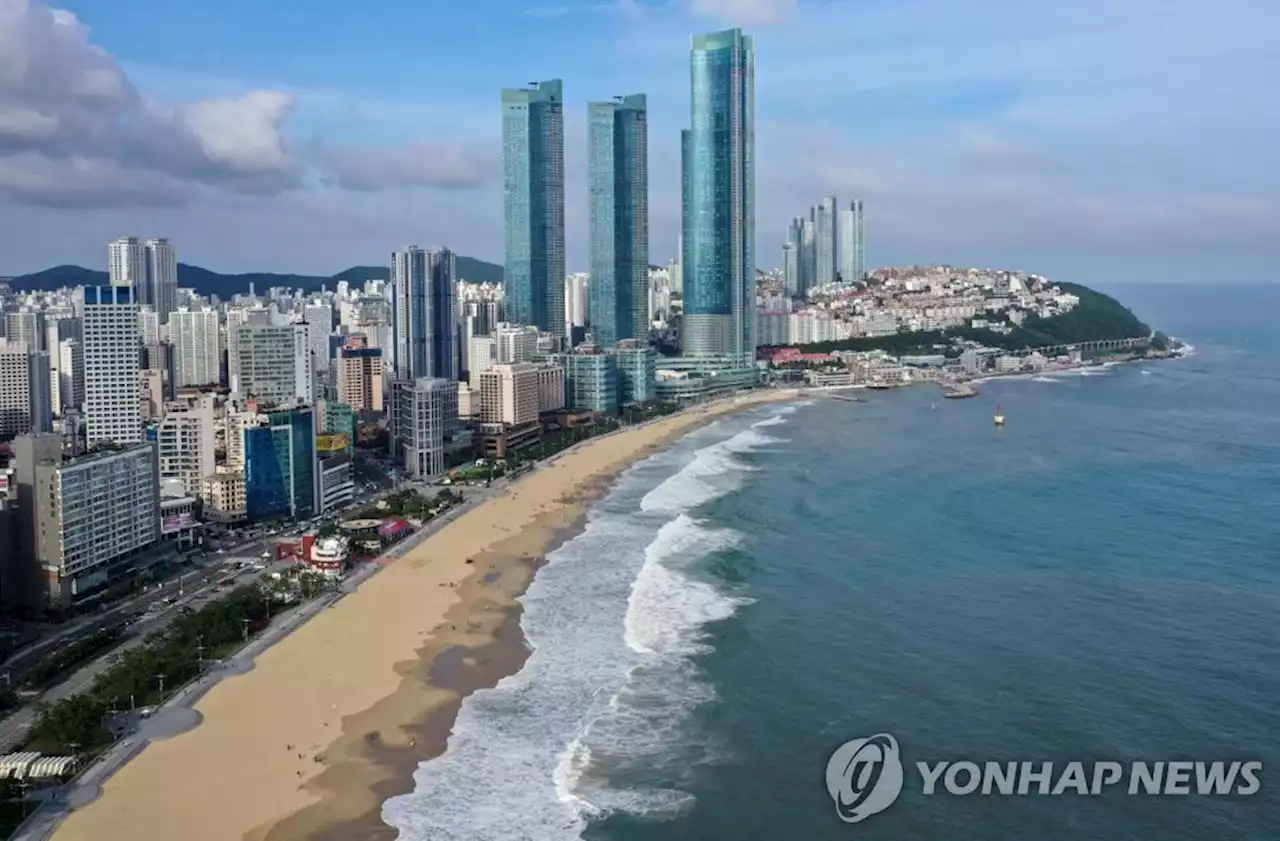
334, 719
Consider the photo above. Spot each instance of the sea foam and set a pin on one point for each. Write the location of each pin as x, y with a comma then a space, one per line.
614, 621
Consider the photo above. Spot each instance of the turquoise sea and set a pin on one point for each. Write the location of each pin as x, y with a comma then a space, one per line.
1099, 580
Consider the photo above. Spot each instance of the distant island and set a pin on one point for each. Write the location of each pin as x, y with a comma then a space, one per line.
206, 282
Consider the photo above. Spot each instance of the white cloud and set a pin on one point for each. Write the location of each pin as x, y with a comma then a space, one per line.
744, 12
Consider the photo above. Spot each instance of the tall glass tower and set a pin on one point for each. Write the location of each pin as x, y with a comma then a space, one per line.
618, 193
719, 199
423, 317
533, 191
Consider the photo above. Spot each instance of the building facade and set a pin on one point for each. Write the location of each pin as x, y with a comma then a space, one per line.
591, 379
360, 374
113, 410
26, 399
509, 395
196, 349
424, 313
185, 443
533, 205
280, 465
274, 364
718, 152
86, 520
424, 412
618, 219
637, 365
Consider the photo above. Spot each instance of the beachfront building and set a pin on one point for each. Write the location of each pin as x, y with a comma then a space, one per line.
690, 379
591, 379
424, 284
718, 162
85, 523
336, 471
618, 210
280, 464
637, 363
550, 388
533, 205
509, 395
424, 414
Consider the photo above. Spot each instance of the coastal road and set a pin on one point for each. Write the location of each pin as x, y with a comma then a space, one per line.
177, 715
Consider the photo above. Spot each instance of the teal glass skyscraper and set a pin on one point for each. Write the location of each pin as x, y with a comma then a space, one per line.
719, 199
618, 207
533, 204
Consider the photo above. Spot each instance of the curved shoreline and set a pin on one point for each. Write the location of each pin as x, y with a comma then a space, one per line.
389, 665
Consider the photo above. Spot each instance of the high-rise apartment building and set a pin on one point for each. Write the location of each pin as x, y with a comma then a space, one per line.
318, 316
113, 410
26, 402
194, 335
424, 313
28, 326
719, 200
533, 204
70, 375
824, 240
127, 262
150, 267
275, 364
161, 287
618, 218
852, 249
185, 442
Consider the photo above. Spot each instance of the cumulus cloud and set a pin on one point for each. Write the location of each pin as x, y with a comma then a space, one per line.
75, 130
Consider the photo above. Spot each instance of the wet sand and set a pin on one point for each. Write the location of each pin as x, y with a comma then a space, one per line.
335, 718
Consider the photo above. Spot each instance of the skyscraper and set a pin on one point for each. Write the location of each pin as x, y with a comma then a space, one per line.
194, 334
150, 267
424, 313
161, 278
719, 199
533, 204
852, 253
618, 204
113, 410
824, 241
127, 262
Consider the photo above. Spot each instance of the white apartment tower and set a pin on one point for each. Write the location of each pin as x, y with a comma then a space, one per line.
113, 410
194, 335
515, 343
185, 443
127, 262
70, 374
275, 364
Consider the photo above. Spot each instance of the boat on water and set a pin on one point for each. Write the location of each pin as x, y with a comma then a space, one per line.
959, 391
999, 417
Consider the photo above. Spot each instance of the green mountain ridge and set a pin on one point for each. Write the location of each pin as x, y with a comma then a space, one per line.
207, 282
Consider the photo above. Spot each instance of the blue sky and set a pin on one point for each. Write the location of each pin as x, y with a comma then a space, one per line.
1092, 141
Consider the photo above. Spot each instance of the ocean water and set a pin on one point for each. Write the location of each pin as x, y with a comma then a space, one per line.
1098, 580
